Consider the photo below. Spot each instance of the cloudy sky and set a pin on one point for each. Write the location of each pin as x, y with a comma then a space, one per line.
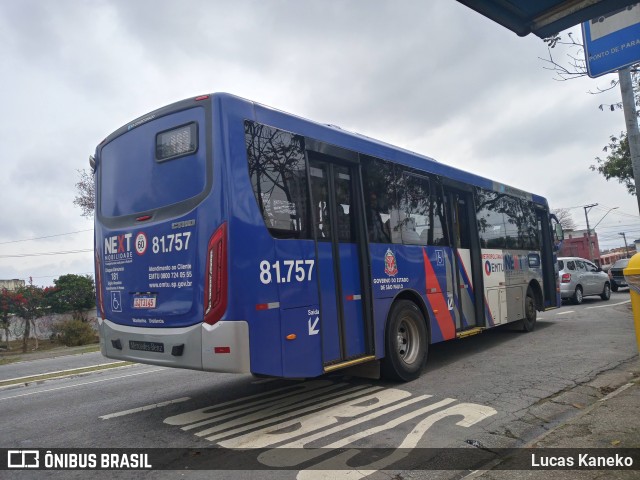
433, 77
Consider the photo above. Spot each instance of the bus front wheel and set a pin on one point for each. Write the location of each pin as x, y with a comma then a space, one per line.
406, 343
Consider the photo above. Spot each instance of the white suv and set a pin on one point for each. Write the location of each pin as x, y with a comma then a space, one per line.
580, 278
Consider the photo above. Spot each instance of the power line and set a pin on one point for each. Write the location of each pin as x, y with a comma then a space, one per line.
41, 254
52, 276
47, 236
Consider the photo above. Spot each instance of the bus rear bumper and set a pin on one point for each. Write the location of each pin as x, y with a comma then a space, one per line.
223, 347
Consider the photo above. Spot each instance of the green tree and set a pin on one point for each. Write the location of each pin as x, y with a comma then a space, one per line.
617, 164
72, 293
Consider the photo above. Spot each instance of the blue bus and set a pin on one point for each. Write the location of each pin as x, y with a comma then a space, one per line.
234, 237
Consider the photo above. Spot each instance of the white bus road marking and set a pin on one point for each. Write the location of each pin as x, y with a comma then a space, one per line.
270, 410
357, 436
564, 313
470, 412
609, 305
145, 408
203, 415
313, 412
81, 384
271, 435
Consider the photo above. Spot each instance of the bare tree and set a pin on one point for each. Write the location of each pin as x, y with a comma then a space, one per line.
617, 164
86, 196
564, 218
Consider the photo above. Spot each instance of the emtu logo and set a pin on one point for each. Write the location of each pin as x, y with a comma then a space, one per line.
117, 244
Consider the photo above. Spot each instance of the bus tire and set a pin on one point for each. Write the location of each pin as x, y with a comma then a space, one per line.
529, 320
406, 343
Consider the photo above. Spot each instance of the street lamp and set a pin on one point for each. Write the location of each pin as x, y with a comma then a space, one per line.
587, 208
626, 249
594, 227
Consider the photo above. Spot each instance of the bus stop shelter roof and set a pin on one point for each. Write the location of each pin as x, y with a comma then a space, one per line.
543, 17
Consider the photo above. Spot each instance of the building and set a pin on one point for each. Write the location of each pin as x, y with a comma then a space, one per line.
11, 284
576, 244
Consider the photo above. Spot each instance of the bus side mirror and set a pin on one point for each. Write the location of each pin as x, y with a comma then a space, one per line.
92, 163
558, 232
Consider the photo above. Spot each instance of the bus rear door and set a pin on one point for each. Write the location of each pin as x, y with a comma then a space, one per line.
340, 246
465, 265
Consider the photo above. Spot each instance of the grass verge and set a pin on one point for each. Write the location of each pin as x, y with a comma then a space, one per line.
66, 373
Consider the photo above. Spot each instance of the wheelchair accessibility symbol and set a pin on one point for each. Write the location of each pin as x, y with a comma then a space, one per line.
116, 302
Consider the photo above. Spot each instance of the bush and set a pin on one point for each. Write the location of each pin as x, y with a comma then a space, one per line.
73, 333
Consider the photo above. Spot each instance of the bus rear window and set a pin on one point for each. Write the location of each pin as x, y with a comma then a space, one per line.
153, 165
177, 142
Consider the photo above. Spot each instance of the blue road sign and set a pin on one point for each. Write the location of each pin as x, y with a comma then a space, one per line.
612, 41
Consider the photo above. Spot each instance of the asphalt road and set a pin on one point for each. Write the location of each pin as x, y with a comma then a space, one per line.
498, 389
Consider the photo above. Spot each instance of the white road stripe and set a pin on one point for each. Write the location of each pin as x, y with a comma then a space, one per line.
564, 313
81, 384
609, 305
146, 407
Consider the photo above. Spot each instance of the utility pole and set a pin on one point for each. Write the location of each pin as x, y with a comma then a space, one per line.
631, 120
626, 249
586, 215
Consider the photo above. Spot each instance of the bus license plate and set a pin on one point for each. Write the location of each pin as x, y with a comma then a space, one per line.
146, 301
146, 346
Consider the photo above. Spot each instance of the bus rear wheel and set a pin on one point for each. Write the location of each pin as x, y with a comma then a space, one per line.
406, 342
529, 320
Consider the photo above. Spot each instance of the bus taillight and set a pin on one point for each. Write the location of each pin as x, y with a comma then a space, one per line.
99, 285
215, 292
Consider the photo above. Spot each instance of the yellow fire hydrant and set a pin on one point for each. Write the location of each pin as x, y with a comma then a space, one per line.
632, 276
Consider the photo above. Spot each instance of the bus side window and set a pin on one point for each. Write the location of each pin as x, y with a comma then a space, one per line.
437, 220
464, 230
505, 221
320, 196
414, 209
277, 168
346, 231
379, 183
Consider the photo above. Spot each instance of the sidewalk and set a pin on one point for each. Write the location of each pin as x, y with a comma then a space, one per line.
610, 422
